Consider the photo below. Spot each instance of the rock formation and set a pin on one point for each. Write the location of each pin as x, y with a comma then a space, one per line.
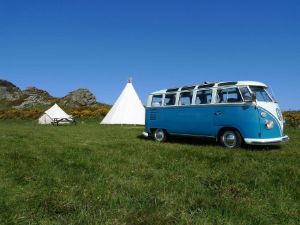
78, 98
9, 91
13, 96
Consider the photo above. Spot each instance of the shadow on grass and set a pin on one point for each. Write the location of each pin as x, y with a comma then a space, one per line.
261, 147
200, 141
185, 140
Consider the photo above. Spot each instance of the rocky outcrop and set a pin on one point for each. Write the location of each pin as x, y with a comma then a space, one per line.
35, 91
78, 98
12, 96
33, 96
33, 100
9, 91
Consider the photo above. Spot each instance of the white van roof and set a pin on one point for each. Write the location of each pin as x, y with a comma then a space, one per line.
211, 84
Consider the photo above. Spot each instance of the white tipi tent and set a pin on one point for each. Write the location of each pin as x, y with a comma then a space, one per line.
55, 112
128, 109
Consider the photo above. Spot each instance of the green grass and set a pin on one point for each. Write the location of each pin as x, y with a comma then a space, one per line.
93, 174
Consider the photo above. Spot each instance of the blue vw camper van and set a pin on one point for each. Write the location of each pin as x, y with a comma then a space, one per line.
229, 112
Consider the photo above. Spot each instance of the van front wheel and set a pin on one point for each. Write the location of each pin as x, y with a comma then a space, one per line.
160, 135
231, 139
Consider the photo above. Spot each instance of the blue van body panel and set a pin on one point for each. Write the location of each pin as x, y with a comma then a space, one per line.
243, 117
192, 120
208, 120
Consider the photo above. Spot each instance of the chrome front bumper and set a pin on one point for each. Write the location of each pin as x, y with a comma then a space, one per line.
267, 141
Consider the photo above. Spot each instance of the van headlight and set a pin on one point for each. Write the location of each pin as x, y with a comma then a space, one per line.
279, 114
269, 124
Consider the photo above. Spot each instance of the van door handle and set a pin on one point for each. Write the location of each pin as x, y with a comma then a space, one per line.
217, 113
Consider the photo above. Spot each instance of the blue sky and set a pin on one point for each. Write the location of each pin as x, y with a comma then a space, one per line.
62, 45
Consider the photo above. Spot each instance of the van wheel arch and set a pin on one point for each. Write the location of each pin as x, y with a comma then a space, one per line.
240, 139
165, 134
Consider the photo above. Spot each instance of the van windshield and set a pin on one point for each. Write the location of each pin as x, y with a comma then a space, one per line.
261, 94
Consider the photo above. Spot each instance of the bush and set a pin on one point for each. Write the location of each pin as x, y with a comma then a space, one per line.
292, 118
34, 113
20, 114
98, 111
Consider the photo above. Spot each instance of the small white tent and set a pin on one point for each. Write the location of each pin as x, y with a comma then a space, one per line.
55, 112
128, 109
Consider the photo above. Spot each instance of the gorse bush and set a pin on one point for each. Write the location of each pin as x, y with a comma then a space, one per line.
89, 112
21, 114
292, 118
34, 113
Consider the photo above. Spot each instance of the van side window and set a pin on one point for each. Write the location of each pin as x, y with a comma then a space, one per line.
203, 97
156, 100
185, 98
246, 93
170, 99
228, 95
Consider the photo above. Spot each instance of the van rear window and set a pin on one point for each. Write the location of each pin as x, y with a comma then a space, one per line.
186, 98
170, 99
156, 100
203, 97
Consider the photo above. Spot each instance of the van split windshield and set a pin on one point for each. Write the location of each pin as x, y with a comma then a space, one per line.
261, 94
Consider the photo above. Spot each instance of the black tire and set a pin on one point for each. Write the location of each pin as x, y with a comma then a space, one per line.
160, 135
230, 139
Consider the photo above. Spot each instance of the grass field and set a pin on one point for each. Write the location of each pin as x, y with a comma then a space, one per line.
93, 174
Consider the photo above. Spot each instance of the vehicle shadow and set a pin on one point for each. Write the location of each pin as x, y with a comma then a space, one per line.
261, 147
198, 141
184, 140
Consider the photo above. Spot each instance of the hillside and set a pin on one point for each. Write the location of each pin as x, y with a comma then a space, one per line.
31, 102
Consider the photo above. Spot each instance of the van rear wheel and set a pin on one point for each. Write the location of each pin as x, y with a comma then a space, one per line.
160, 135
231, 139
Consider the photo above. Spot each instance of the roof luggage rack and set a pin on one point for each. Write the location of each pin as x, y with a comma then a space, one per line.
226, 84
186, 88
206, 85
172, 90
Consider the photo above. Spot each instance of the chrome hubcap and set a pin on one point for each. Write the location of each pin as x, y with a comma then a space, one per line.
159, 135
229, 139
